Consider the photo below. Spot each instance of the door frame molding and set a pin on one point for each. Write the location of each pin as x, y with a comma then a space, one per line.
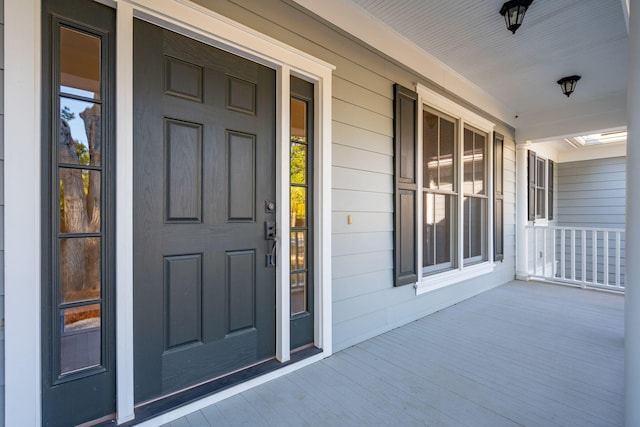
23, 238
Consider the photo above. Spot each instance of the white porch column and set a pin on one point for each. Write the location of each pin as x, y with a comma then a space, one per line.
521, 211
632, 291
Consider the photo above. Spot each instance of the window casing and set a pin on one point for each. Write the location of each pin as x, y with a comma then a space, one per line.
456, 179
540, 197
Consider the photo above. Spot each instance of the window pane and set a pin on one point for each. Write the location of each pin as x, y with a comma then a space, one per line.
298, 250
79, 63
80, 132
429, 239
447, 157
540, 202
298, 293
298, 206
79, 200
80, 342
477, 228
438, 229
80, 269
474, 229
298, 120
478, 162
430, 143
468, 161
443, 230
298, 163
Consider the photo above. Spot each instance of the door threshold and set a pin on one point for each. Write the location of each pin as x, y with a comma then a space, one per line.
177, 400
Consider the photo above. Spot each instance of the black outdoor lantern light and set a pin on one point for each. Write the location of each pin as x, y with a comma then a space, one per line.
568, 84
513, 12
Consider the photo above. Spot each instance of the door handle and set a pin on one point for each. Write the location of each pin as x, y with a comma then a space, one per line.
269, 230
271, 234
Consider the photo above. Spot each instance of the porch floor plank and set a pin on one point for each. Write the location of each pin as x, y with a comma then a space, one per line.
525, 353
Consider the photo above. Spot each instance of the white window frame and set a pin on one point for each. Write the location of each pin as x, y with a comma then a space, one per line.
429, 281
543, 219
23, 164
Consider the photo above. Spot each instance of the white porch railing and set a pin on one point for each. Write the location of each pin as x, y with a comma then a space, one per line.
585, 256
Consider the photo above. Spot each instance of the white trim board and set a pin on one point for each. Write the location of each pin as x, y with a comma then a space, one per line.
22, 47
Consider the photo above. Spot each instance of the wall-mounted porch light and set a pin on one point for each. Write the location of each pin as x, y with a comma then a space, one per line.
568, 84
513, 12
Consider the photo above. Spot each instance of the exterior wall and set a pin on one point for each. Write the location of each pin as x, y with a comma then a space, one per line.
365, 303
1, 212
592, 193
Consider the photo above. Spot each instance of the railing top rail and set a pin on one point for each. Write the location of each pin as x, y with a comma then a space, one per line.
560, 227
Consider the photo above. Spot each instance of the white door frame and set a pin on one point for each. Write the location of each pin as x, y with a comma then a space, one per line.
23, 202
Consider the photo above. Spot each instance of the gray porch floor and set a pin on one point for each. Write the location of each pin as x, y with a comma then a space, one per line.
522, 354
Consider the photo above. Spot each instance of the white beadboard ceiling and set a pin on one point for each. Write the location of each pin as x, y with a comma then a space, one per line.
557, 38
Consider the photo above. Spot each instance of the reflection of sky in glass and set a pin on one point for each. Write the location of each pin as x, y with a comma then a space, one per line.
76, 124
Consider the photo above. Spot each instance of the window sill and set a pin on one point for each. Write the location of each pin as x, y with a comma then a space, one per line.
442, 280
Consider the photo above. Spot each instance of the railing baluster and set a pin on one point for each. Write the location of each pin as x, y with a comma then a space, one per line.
618, 284
544, 253
594, 252
562, 252
573, 254
584, 258
535, 251
605, 257
554, 262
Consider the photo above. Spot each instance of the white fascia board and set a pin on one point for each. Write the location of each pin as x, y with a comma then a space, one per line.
603, 151
376, 34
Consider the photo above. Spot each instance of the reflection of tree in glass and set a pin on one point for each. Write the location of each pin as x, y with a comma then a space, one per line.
80, 208
298, 176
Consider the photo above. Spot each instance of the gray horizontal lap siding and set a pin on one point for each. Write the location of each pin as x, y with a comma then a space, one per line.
365, 303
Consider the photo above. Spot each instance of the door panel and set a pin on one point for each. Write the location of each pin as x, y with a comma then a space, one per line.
204, 160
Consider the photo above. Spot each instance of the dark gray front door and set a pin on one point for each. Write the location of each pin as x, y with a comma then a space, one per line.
204, 158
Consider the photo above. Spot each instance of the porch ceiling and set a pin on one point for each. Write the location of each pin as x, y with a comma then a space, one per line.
558, 38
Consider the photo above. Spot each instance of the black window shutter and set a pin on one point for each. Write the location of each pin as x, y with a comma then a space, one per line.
498, 197
405, 140
550, 188
532, 186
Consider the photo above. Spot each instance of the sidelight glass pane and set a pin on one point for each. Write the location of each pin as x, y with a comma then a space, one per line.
298, 206
298, 163
298, 120
80, 136
79, 269
298, 293
80, 340
298, 250
79, 63
79, 200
